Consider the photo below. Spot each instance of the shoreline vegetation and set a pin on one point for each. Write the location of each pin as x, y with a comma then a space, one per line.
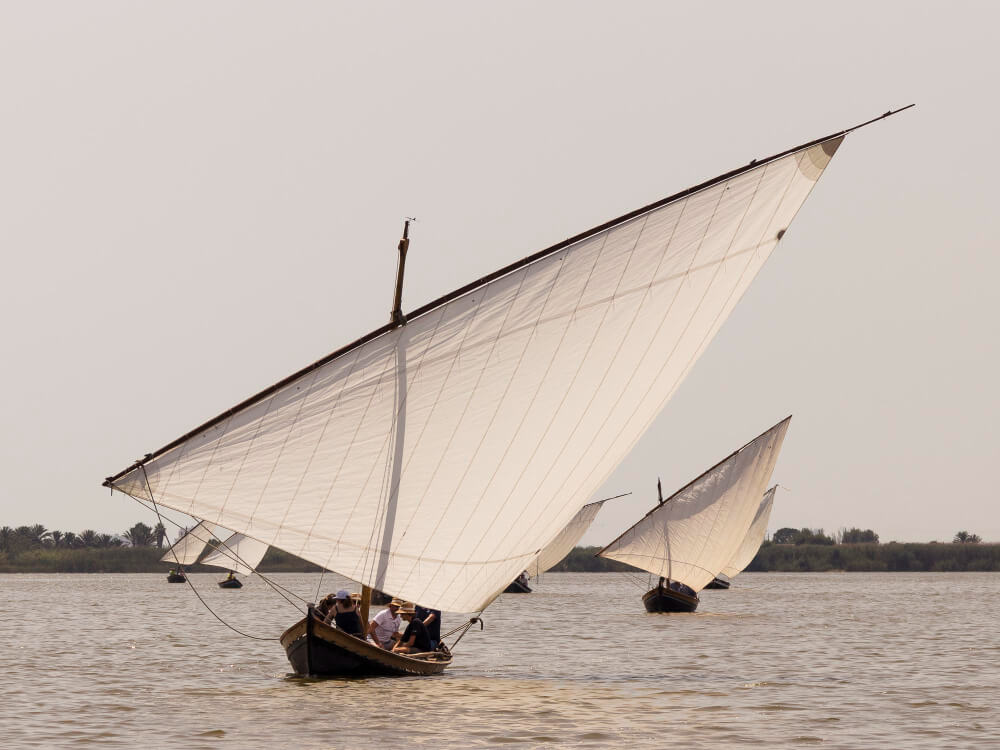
772, 558
36, 550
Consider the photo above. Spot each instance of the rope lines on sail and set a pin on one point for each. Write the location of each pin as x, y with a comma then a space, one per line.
559, 305
500, 330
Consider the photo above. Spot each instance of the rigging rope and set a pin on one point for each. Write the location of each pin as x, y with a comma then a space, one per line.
269, 581
187, 579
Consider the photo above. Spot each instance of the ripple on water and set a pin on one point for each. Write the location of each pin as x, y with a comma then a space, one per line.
779, 660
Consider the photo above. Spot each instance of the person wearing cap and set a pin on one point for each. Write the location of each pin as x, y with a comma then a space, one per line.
415, 639
384, 627
344, 614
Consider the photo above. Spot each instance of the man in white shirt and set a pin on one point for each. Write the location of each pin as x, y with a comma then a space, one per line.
384, 627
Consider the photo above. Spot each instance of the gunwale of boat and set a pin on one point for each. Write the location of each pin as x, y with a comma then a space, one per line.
687, 603
719, 584
516, 587
382, 662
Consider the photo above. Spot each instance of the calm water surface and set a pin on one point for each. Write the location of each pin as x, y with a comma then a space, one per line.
780, 660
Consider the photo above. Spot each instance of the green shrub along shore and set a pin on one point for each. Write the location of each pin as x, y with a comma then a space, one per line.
34, 549
129, 560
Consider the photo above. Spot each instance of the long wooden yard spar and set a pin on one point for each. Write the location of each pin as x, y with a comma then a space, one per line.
518, 395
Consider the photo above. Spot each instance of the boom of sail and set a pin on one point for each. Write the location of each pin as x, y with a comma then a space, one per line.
189, 547
754, 538
434, 459
693, 534
566, 540
239, 553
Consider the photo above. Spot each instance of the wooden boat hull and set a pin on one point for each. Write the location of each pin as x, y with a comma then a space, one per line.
317, 649
718, 583
176, 578
517, 588
668, 600
231, 583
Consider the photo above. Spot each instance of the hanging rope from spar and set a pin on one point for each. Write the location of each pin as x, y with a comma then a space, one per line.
464, 628
156, 508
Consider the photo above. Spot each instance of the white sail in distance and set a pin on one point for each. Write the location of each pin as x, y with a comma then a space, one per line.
189, 547
691, 535
754, 538
434, 459
239, 553
566, 540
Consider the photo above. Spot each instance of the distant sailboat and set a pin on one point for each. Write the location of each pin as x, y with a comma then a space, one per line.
559, 547
751, 543
692, 535
186, 551
434, 457
238, 554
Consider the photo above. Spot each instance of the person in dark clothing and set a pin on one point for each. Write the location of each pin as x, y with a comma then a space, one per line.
345, 614
432, 619
325, 607
415, 639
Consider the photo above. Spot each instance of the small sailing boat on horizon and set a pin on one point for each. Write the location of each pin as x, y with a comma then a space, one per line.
559, 547
437, 455
237, 554
751, 543
186, 550
691, 536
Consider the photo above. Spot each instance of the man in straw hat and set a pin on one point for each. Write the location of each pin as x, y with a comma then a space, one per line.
384, 627
415, 639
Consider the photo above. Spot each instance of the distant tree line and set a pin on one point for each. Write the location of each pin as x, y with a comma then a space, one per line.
14, 541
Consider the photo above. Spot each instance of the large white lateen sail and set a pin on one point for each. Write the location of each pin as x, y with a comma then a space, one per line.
435, 459
754, 538
690, 536
239, 553
189, 547
566, 540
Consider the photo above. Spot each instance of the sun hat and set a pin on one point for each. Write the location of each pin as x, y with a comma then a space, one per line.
396, 602
407, 609
342, 594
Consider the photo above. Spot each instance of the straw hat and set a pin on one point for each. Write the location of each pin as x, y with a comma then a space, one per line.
407, 608
356, 597
396, 602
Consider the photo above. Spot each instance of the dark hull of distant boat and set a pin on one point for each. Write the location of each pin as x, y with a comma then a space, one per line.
517, 588
718, 583
668, 600
231, 583
319, 650
176, 578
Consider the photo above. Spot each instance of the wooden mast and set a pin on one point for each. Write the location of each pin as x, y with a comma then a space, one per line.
396, 319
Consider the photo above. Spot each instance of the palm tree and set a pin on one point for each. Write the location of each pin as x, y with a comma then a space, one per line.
107, 540
139, 535
160, 531
6, 538
88, 538
70, 540
57, 537
962, 537
39, 535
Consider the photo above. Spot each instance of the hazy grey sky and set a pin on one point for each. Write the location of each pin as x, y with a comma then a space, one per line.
197, 199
